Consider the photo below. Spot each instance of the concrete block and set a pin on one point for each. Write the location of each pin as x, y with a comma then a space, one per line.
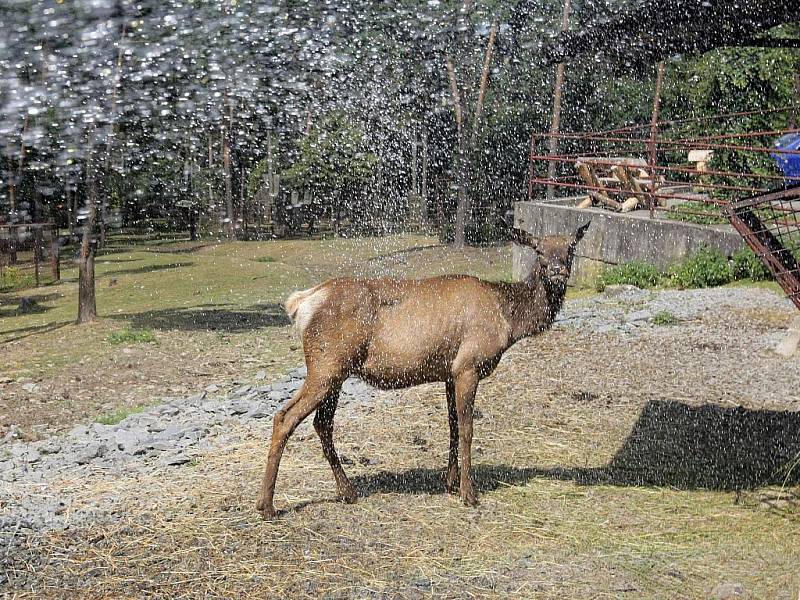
616, 238
789, 346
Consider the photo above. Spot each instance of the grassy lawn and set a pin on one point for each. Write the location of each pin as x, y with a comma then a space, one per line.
178, 316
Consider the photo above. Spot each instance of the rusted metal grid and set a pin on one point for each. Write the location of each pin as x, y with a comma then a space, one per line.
770, 224
761, 202
671, 140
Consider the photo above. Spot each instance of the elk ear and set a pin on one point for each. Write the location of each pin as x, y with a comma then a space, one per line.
581, 231
523, 238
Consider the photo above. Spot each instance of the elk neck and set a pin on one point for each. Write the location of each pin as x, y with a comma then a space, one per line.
530, 306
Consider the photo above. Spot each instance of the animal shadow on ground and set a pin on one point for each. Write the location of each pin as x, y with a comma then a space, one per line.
210, 319
671, 445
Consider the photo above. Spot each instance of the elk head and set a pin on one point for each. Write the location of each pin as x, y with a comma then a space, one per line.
554, 254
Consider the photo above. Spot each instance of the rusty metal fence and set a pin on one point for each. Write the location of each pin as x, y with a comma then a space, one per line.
770, 224
696, 168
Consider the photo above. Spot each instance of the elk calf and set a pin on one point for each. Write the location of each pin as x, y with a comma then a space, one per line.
396, 333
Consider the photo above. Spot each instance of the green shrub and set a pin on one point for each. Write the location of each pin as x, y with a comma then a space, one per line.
132, 336
664, 318
117, 416
640, 274
705, 268
266, 259
747, 265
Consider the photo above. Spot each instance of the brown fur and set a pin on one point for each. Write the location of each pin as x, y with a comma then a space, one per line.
396, 333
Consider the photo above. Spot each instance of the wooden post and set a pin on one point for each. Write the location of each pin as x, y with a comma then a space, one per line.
37, 251
55, 258
555, 124
654, 135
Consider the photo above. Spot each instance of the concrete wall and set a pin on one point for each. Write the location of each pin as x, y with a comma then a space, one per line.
615, 238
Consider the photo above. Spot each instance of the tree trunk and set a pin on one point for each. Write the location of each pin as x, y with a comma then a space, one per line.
70, 211
464, 205
87, 307
103, 220
226, 168
423, 195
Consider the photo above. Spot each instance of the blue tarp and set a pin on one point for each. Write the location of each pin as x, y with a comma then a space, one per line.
788, 163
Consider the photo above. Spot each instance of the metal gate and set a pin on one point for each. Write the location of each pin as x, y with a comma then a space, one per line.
770, 224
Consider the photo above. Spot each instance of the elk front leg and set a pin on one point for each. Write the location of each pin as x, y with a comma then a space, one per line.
466, 384
323, 423
286, 420
451, 482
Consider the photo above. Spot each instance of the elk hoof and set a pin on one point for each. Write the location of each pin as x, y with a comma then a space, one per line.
469, 498
267, 511
349, 496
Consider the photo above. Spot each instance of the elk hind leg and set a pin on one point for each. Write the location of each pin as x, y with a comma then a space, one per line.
286, 420
323, 424
451, 482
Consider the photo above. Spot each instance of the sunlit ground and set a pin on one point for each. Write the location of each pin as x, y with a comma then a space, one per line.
215, 311
567, 424
570, 426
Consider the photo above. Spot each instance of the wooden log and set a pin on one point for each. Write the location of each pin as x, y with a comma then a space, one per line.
591, 181
629, 182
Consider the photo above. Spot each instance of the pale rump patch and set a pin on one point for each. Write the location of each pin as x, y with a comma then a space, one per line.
302, 305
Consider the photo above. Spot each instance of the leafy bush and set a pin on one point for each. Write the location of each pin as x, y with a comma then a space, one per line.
747, 265
132, 336
705, 268
640, 274
476, 234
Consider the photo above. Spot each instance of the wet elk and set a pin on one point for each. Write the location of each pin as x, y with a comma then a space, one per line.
396, 333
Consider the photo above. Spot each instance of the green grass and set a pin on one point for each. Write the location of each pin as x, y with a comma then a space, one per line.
132, 336
664, 318
214, 309
118, 415
266, 259
14, 278
697, 212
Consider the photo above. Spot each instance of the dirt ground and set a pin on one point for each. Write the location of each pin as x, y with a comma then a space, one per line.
643, 462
